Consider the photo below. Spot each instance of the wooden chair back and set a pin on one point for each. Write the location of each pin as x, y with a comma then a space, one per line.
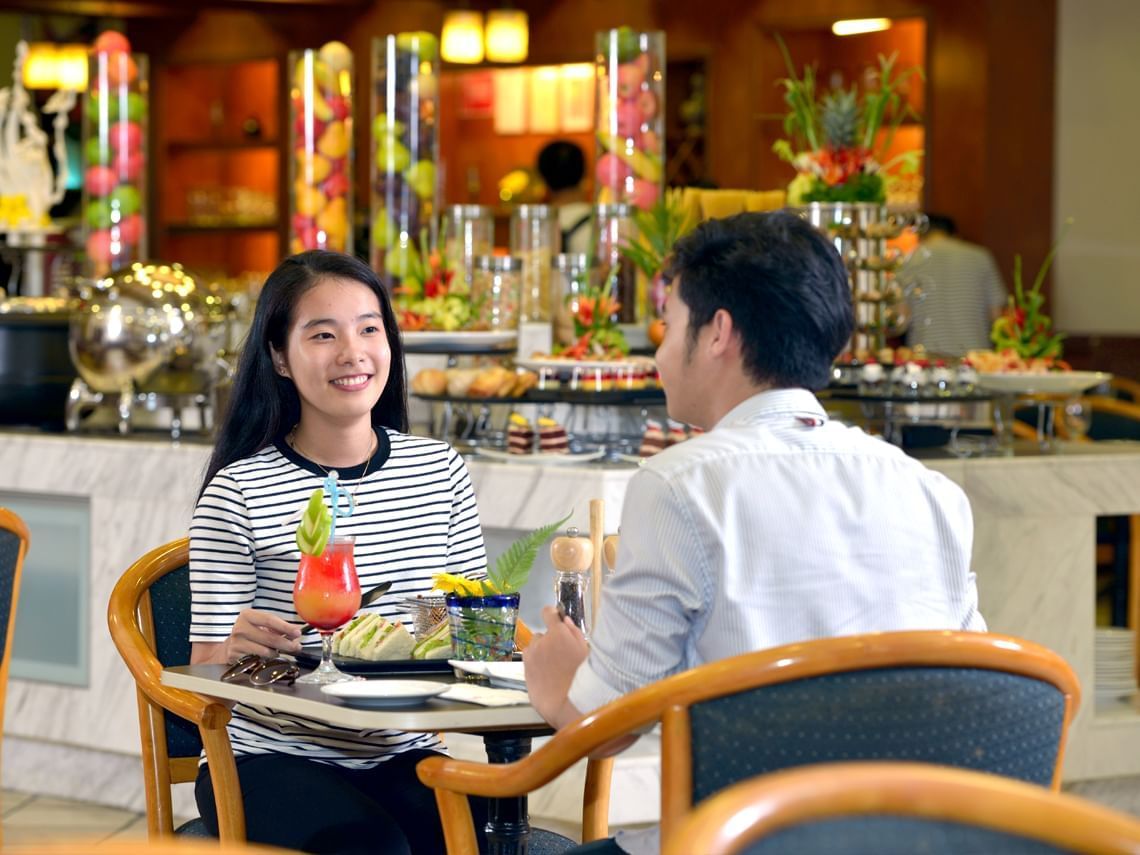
174, 725
889, 808
975, 700
14, 540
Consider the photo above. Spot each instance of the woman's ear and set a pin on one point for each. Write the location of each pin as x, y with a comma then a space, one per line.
279, 363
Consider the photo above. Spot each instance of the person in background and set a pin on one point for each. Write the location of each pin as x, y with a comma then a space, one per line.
321, 386
956, 292
777, 525
562, 166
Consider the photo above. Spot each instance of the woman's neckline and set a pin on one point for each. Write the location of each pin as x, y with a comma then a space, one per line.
373, 464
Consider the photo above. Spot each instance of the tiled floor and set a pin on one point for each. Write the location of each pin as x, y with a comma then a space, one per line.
32, 819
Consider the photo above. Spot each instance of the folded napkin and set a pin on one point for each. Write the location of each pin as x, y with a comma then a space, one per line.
485, 696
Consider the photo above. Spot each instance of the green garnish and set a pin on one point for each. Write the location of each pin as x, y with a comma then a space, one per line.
316, 525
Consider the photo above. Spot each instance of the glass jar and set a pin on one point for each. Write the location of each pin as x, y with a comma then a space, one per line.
535, 238
571, 589
495, 292
630, 117
405, 158
571, 275
115, 147
617, 275
320, 149
468, 232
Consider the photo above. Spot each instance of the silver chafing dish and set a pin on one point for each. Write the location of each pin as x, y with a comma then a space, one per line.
150, 336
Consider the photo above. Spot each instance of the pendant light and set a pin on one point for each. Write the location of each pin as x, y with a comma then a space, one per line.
462, 38
507, 35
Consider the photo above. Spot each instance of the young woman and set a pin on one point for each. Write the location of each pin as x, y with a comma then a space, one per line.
320, 385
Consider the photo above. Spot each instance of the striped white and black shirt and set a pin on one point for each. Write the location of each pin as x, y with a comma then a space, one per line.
415, 516
958, 287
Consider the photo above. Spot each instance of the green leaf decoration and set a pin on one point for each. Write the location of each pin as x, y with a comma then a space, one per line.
316, 524
513, 567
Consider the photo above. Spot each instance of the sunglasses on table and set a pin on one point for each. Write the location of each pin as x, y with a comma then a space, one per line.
262, 672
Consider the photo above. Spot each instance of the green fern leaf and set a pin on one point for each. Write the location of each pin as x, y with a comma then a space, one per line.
513, 567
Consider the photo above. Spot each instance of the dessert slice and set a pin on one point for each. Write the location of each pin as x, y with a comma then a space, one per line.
552, 437
653, 440
676, 433
520, 435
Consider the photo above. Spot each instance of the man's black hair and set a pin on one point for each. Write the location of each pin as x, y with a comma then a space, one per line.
784, 285
942, 223
562, 165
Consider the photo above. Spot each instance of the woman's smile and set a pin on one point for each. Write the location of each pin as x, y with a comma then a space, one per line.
353, 382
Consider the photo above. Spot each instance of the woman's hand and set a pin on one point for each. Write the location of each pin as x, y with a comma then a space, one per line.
254, 631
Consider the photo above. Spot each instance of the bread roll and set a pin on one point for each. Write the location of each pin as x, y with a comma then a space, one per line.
489, 382
430, 381
524, 381
459, 381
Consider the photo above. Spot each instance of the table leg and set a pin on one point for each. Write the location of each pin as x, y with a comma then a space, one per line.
508, 824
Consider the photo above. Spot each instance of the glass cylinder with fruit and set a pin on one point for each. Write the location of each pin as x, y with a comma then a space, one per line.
495, 292
616, 274
468, 232
535, 239
483, 628
630, 118
115, 148
405, 157
326, 594
320, 149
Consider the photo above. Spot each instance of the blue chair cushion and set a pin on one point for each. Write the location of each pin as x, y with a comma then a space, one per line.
9, 552
990, 721
544, 842
170, 604
891, 835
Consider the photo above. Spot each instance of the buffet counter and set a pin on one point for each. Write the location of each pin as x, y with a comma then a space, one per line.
77, 737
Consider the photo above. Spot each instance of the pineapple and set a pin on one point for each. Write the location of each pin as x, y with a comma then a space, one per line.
840, 117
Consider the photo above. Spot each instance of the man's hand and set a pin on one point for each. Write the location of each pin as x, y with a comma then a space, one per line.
254, 632
550, 663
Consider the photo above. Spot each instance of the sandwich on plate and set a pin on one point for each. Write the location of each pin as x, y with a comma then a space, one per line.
369, 636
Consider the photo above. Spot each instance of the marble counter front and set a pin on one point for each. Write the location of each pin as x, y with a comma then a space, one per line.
1034, 555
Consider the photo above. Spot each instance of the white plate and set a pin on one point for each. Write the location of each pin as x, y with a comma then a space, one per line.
635, 459
1053, 383
460, 340
547, 458
586, 364
508, 674
384, 693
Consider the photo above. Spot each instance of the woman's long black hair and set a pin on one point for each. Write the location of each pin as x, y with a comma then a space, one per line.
263, 404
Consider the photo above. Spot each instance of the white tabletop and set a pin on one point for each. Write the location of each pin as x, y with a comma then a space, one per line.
433, 715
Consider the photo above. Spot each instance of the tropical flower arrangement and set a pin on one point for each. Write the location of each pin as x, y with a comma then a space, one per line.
428, 295
1024, 329
510, 571
834, 135
658, 229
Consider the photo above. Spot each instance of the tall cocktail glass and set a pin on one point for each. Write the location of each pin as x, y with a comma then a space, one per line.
326, 594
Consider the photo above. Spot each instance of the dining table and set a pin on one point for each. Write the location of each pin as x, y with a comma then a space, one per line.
506, 731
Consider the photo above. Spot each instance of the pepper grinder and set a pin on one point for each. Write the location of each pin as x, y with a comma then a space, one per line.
609, 550
572, 556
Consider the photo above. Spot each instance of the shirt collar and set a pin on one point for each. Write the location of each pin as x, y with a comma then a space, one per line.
774, 402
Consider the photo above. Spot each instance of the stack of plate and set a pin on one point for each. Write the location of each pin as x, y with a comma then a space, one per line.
1115, 662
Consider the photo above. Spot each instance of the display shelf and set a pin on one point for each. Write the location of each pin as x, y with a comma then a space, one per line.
191, 228
607, 398
208, 146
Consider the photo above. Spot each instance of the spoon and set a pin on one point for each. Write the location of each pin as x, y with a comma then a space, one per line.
366, 600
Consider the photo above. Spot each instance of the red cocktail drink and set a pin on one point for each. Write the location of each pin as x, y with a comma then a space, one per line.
326, 594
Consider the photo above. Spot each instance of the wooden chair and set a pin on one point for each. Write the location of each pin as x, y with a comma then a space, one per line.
149, 619
975, 700
889, 808
14, 540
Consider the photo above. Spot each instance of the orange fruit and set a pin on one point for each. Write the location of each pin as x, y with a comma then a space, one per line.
656, 331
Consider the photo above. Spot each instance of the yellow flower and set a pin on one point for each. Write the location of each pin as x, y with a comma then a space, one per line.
450, 583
